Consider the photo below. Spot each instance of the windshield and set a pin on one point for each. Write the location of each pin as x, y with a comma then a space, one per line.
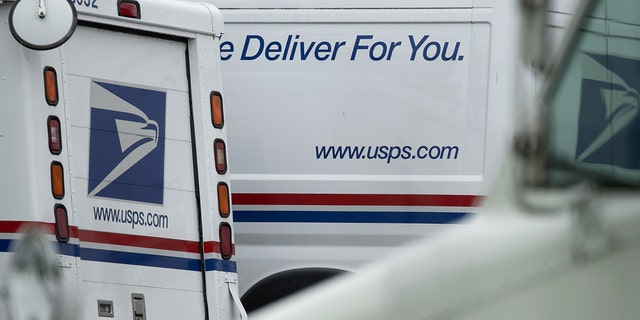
593, 120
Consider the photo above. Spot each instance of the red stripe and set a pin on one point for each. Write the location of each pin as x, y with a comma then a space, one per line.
434, 200
214, 246
119, 238
149, 242
139, 241
48, 227
16, 226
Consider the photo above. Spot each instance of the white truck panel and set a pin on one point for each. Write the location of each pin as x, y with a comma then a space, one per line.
368, 125
137, 158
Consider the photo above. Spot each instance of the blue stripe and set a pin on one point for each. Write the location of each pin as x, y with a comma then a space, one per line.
348, 216
4, 245
63, 248
68, 249
138, 259
221, 265
152, 260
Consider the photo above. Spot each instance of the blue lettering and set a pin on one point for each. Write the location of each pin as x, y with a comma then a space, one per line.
305, 53
415, 47
291, 49
394, 153
375, 152
377, 51
420, 154
433, 155
448, 150
85, 3
454, 55
406, 152
245, 48
434, 50
273, 48
357, 46
323, 47
286, 47
335, 49
383, 152
425, 52
295, 46
383, 51
226, 47
387, 153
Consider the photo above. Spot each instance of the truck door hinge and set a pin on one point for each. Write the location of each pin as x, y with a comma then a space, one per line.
232, 284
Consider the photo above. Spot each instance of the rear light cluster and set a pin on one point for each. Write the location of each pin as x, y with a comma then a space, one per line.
54, 130
226, 246
129, 9
220, 159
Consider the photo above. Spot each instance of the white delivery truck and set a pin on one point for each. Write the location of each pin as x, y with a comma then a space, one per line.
559, 236
114, 142
369, 124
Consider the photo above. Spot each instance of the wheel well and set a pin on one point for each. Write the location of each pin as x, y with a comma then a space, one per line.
282, 284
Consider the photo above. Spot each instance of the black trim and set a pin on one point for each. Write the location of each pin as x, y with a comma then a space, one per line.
116, 28
196, 179
283, 284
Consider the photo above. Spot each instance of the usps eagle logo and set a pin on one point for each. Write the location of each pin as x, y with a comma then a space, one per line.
608, 123
126, 143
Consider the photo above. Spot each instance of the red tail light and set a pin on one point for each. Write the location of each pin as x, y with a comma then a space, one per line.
129, 9
220, 156
226, 246
62, 223
55, 137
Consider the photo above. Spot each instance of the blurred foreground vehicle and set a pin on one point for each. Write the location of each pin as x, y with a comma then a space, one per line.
559, 236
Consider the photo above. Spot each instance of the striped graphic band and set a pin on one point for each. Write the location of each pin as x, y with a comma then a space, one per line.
347, 216
88, 238
323, 199
246, 205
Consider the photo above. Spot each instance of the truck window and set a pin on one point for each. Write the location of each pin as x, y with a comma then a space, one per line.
593, 123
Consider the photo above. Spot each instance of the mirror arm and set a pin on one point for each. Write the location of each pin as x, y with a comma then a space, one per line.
533, 32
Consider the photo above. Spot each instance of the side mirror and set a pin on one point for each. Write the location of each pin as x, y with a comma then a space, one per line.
42, 24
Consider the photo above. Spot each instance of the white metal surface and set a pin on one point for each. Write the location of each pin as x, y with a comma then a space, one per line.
139, 174
324, 76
